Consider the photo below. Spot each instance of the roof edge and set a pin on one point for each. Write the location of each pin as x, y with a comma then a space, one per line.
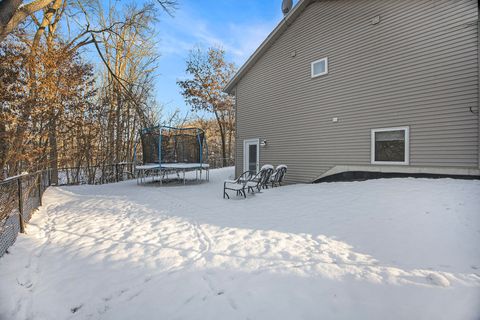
274, 35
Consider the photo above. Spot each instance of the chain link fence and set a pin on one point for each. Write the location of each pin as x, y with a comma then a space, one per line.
19, 197
96, 174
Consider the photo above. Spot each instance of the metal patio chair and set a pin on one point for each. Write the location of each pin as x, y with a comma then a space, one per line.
278, 175
261, 179
238, 184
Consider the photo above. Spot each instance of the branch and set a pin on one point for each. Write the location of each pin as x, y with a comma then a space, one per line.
91, 32
7, 10
119, 80
35, 20
168, 6
21, 13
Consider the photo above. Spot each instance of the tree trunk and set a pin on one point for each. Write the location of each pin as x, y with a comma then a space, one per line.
229, 145
118, 126
11, 16
7, 10
110, 134
222, 138
52, 140
3, 148
224, 148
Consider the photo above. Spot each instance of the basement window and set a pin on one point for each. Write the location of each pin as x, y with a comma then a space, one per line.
319, 67
390, 146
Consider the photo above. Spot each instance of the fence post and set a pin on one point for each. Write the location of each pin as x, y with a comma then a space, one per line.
20, 205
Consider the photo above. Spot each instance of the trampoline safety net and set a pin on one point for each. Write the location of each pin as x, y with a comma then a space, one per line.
178, 145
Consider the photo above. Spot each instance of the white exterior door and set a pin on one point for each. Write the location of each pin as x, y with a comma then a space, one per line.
251, 155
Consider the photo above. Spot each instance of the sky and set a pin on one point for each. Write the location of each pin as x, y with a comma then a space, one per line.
237, 26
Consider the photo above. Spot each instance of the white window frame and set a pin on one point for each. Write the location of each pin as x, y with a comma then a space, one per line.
320, 74
245, 153
407, 146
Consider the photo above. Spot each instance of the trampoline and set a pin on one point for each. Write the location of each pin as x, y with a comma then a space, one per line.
168, 151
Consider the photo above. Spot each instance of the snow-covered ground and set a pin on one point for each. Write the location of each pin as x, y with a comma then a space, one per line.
380, 249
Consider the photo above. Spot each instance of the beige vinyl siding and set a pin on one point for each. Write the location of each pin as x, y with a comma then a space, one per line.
418, 67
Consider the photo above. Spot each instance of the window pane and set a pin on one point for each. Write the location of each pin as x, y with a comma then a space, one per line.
252, 157
319, 67
390, 146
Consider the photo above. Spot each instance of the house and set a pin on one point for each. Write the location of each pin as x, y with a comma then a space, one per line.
363, 86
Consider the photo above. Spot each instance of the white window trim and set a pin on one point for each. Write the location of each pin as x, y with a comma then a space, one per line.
320, 74
245, 154
407, 146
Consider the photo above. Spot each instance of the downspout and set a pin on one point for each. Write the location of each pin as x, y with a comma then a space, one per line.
237, 173
478, 83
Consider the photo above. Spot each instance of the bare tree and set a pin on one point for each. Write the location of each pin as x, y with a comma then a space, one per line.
209, 73
131, 59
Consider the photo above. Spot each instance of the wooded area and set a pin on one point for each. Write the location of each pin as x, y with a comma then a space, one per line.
59, 110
